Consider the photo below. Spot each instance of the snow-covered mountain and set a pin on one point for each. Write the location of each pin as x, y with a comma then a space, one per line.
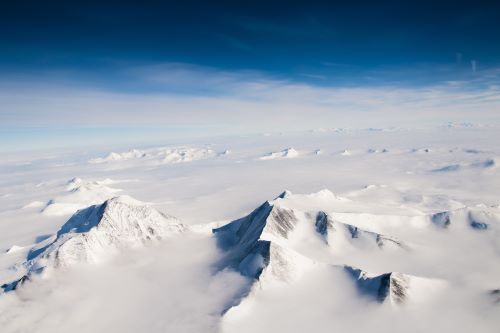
94, 234
278, 222
283, 154
78, 194
276, 246
276, 243
266, 246
256, 244
478, 218
393, 287
159, 155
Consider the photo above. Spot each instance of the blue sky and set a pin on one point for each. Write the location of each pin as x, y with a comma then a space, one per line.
285, 37
214, 64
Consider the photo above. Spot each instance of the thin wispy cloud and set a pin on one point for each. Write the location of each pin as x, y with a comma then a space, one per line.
187, 95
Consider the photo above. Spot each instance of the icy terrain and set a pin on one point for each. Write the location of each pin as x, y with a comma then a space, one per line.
392, 230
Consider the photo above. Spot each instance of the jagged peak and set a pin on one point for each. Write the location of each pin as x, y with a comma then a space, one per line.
268, 221
479, 217
86, 219
395, 288
73, 183
251, 245
275, 222
283, 195
441, 219
324, 224
96, 233
390, 287
251, 238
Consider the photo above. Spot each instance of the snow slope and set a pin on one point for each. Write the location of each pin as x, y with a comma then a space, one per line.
96, 233
285, 153
267, 245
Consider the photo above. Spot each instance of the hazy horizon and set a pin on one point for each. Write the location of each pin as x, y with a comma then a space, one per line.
108, 71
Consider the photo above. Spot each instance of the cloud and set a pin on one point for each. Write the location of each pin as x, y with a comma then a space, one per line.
239, 101
170, 287
328, 302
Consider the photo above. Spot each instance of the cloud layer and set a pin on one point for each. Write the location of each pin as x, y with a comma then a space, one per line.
185, 96
169, 288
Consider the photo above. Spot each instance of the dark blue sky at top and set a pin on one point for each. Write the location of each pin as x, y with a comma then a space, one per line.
318, 41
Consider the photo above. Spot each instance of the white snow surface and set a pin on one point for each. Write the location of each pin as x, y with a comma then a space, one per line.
79, 194
401, 235
160, 155
285, 153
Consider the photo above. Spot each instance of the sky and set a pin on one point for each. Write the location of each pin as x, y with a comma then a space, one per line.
111, 70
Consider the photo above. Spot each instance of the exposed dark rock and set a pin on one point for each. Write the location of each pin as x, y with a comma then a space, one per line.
441, 220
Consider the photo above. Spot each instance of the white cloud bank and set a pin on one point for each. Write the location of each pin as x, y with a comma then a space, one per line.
167, 288
188, 96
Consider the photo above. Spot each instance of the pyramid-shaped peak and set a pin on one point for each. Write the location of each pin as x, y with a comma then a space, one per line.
125, 199
94, 232
267, 221
283, 195
86, 219
393, 287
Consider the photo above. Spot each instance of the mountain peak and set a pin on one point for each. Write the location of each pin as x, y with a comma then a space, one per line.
393, 287
283, 195
117, 223
94, 234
